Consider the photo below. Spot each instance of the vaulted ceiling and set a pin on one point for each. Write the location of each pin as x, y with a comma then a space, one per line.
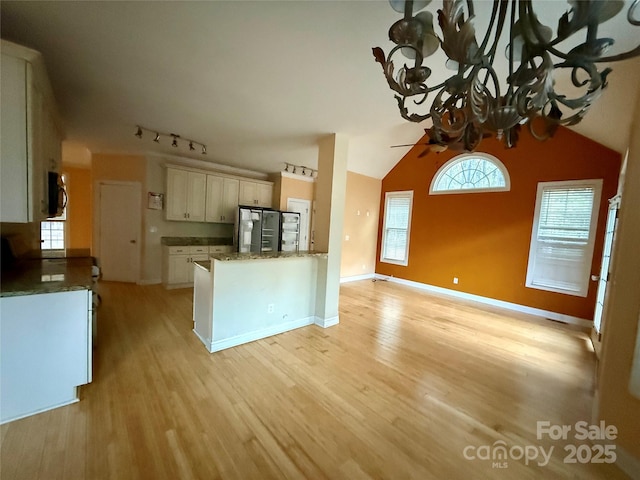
257, 82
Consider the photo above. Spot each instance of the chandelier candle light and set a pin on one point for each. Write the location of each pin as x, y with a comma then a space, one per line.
174, 136
474, 102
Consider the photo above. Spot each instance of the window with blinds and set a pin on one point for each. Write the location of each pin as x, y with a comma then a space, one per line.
563, 236
397, 222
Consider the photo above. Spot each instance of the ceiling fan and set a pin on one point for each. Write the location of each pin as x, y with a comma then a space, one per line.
465, 139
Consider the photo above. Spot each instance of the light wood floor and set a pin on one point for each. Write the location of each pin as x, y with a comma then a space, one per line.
397, 390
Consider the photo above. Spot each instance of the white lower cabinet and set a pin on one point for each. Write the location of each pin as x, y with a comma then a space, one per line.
45, 351
178, 262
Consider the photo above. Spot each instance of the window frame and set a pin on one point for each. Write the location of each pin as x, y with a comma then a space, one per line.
596, 184
62, 219
460, 159
388, 195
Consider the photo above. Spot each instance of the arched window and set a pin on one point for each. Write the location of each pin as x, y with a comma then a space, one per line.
471, 173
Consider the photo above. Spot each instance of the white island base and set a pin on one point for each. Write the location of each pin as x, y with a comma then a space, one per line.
239, 298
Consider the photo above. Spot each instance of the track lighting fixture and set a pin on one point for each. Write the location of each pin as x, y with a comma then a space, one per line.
300, 170
174, 136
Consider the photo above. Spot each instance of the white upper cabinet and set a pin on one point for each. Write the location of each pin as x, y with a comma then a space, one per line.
186, 193
194, 195
256, 193
30, 140
222, 199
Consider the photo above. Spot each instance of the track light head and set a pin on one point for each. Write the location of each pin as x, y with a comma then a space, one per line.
175, 142
191, 147
157, 139
204, 149
139, 132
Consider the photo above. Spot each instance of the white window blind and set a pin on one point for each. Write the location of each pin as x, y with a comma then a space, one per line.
563, 236
397, 219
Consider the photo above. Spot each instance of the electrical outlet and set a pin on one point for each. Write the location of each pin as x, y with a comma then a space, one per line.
270, 308
455, 280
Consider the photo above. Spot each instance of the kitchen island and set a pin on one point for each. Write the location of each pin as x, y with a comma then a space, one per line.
242, 297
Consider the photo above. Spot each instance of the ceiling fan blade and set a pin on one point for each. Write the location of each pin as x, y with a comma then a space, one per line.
408, 145
424, 153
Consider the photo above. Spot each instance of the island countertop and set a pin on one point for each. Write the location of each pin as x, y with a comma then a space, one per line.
226, 257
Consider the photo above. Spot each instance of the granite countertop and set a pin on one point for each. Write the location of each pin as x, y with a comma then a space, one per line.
31, 276
206, 264
184, 241
225, 257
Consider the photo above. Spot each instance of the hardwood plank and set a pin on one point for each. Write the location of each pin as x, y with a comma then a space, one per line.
398, 389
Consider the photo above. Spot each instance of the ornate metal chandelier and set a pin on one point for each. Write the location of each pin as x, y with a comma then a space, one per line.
472, 102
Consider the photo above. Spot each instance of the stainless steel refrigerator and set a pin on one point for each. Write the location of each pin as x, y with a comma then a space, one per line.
258, 229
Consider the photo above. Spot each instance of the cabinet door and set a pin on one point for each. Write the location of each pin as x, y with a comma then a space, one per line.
230, 200
264, 194
196, 197
179, 266
177, 194
14, 200
215, 192
248, 193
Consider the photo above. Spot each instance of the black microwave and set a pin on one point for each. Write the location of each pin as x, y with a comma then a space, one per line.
57, 195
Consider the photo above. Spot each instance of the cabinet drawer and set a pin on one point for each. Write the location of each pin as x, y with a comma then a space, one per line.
177, 250
220, 249
199, 249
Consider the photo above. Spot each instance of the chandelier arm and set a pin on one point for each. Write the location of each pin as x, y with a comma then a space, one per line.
503, 14
494, 13
511, 37
632, 8
408, 12
622, 56
472, 12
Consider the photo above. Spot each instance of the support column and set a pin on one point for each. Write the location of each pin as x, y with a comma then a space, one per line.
331, 186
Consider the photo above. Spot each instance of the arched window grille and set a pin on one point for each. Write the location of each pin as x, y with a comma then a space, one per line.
471, 173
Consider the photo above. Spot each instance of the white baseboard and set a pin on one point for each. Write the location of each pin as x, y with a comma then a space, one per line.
560, 317
150, 281
628, 463
217, 345
63, 403
356, 278
327, 322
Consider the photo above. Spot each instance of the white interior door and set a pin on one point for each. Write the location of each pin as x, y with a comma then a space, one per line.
603, 280
120, 231
303, 207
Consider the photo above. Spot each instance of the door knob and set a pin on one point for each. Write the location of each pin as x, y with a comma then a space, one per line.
132, 241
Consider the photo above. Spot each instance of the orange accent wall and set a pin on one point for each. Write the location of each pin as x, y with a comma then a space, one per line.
79, 208
483, 238
362, 204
